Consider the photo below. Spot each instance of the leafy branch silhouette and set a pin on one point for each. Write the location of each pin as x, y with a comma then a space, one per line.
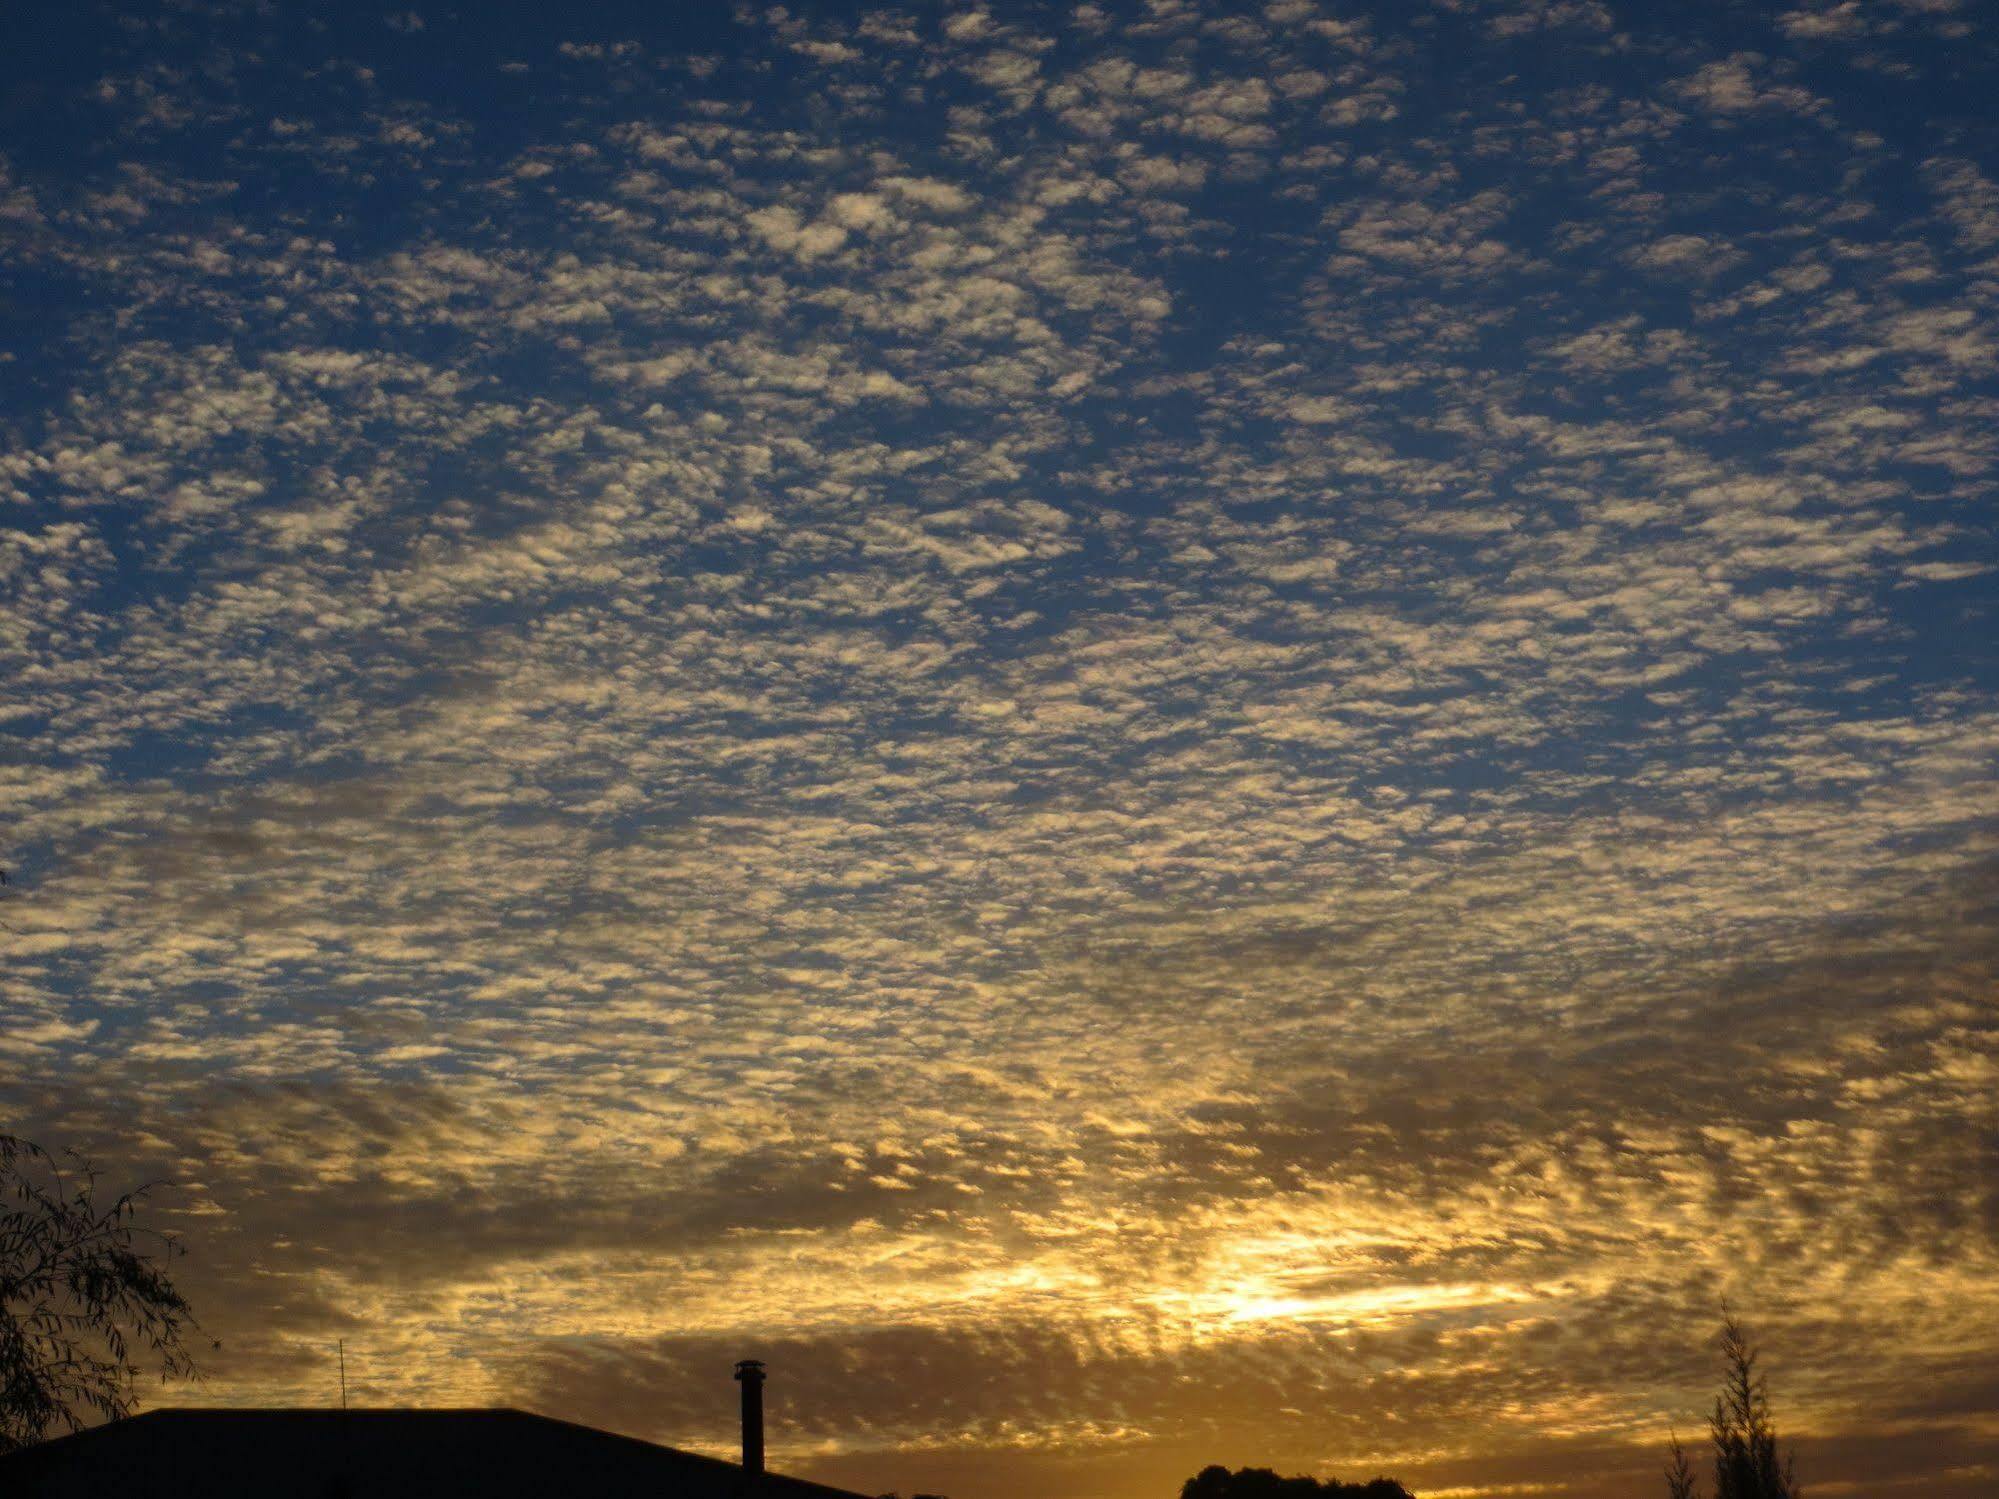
84, 1294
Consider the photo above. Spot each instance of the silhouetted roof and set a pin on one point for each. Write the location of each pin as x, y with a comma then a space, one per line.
373, 1454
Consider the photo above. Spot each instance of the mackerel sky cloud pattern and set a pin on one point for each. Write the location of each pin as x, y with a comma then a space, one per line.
1143, 735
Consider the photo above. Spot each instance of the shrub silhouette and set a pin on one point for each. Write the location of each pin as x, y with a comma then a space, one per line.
1746, 1462
1261, 1483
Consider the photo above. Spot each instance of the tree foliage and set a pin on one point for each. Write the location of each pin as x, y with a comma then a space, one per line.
84, 1296
1680, 1480
1747, 1464
1262, 1483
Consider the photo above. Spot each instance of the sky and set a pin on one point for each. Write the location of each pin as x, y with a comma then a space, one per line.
1142, 735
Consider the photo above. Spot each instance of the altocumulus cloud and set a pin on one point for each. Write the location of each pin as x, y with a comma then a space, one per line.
1150, 735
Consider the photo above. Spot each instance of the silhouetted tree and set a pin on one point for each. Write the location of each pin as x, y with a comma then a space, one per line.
1262, 1483
84, 1294
1680, 1480
1746, 1461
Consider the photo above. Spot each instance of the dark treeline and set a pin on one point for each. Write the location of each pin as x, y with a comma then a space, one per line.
1261, 1483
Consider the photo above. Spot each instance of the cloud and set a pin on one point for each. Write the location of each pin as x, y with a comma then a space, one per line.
1686, 255
1737, 85
1138, 740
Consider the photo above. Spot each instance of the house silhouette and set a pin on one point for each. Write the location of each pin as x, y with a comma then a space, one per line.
374, 1454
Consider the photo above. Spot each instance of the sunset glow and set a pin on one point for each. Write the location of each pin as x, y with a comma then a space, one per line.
1143, 736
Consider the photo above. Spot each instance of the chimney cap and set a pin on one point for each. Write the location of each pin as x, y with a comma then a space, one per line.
749, 1368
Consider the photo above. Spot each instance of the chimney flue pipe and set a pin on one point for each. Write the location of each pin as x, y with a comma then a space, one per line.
750, 1374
